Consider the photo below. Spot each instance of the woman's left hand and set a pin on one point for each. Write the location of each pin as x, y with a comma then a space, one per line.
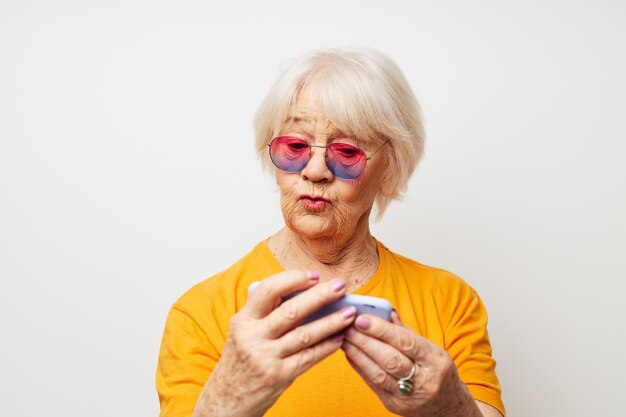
383, 352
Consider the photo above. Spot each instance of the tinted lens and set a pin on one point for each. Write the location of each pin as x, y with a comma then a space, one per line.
345, 161
289, 154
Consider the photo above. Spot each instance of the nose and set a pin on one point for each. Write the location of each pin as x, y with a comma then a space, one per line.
316, 169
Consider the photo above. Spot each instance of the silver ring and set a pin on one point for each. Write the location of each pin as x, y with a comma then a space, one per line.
405, 385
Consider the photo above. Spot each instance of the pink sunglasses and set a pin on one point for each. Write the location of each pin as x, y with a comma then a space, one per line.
345, 161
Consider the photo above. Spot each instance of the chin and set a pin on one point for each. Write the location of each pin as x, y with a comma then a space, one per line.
311, 226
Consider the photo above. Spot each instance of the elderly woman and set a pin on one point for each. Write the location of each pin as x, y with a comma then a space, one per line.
342, 132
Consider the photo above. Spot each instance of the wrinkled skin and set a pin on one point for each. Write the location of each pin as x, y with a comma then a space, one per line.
266, 351
327, 233
383, 352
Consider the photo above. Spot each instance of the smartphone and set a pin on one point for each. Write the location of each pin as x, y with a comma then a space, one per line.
364, 305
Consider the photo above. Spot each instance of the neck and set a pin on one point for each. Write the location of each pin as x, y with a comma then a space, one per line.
354, 259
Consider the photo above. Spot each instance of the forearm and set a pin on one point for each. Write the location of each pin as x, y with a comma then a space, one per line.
226, 395
456, 403
206, 407
214, 404
487, 410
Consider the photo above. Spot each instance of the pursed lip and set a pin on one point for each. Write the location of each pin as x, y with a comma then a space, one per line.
314, 198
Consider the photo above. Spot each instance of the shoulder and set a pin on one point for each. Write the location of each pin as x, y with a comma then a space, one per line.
440, 282
225, 292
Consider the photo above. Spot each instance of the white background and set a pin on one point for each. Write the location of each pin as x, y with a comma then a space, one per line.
127, 174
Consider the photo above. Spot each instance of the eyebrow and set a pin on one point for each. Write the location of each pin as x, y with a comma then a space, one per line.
298, 120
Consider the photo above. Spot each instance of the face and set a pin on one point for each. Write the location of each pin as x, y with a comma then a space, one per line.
315, 203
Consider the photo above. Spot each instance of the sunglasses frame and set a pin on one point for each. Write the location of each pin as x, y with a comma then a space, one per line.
367, 158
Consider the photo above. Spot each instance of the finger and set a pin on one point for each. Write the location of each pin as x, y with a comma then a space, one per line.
395, 318
270, 292
300, 362
380, 381
387, 357
293, 311
307, 335
401, 337
368, 369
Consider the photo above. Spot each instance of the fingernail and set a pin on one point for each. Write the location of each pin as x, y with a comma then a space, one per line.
362, 323
313, 275
348, 312
338, 284
394, 315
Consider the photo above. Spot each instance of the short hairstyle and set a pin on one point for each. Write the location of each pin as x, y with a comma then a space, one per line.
365, 95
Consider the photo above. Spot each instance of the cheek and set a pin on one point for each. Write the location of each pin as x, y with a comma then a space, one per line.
286, 182
360, 190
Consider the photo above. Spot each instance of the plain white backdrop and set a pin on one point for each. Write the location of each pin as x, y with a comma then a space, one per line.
127, 174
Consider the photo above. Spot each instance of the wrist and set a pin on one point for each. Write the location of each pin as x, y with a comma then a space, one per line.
216, 402
461, 404
466, 407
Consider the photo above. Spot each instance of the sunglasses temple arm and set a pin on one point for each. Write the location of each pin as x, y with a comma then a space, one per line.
376, 151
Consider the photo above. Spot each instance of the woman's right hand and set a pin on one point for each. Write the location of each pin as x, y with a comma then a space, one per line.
266, 350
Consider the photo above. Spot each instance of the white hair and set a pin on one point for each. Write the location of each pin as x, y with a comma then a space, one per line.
365, 95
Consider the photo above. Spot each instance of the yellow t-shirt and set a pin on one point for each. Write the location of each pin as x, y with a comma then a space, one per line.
436, 304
